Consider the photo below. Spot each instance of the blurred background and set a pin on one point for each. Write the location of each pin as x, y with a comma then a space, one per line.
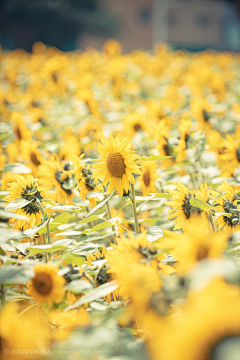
136, 24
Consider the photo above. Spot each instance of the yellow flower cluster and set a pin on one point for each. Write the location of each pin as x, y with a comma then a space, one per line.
120, 204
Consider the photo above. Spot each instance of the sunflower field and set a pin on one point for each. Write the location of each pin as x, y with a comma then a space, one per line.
120, 204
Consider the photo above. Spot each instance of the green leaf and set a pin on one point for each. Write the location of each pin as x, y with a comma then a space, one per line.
66, 207
154, 233
216, 198
15, 275
9, 215
96, 293
31, 232
70, 184
222, 214
17, 204
7, 234
160, 195
65, 242
97, 306
69, 233
101, 204
79, 286
6, 247
91, 218
153, 158
3, 194
61, 219
75, 259
17, 168
101, 226
49, 201
39, 249
200, 204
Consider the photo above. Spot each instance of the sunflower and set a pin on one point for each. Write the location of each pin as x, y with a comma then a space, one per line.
57, 176
22, 132
148, 177
30, 153
138, 273
201, 109
22, 330
104, 275
86, 181
230, 156
194, 245
65, 322
228, 203
210, 319
117, 164
163, 146
182, 145
27, 189
71, 145
46, 285
134, 123
182, 209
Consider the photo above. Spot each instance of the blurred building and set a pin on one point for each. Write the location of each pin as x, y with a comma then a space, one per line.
192, 24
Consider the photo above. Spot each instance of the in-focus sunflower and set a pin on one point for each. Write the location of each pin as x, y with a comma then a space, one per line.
46, 285
148, 177
117, 164
27, 189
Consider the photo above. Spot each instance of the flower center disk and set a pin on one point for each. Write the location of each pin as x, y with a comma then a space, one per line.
146, 178
115, 165
42, 284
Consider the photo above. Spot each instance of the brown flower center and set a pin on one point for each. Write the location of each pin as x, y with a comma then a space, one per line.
146, 178
202, 252
42, 283
18, 133
137, 127
115, 165
34, 159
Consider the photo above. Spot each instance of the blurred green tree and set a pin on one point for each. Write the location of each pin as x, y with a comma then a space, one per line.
54, 22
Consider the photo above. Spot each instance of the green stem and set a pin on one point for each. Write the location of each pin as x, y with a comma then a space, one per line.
109, 211
134, 209
193, 180
90, 223
45, 216
211, 221
3, 299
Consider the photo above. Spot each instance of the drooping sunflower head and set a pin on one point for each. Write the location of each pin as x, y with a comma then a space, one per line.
29, 190
182, 209
46, 285
56, 174
228, 204
117, 164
